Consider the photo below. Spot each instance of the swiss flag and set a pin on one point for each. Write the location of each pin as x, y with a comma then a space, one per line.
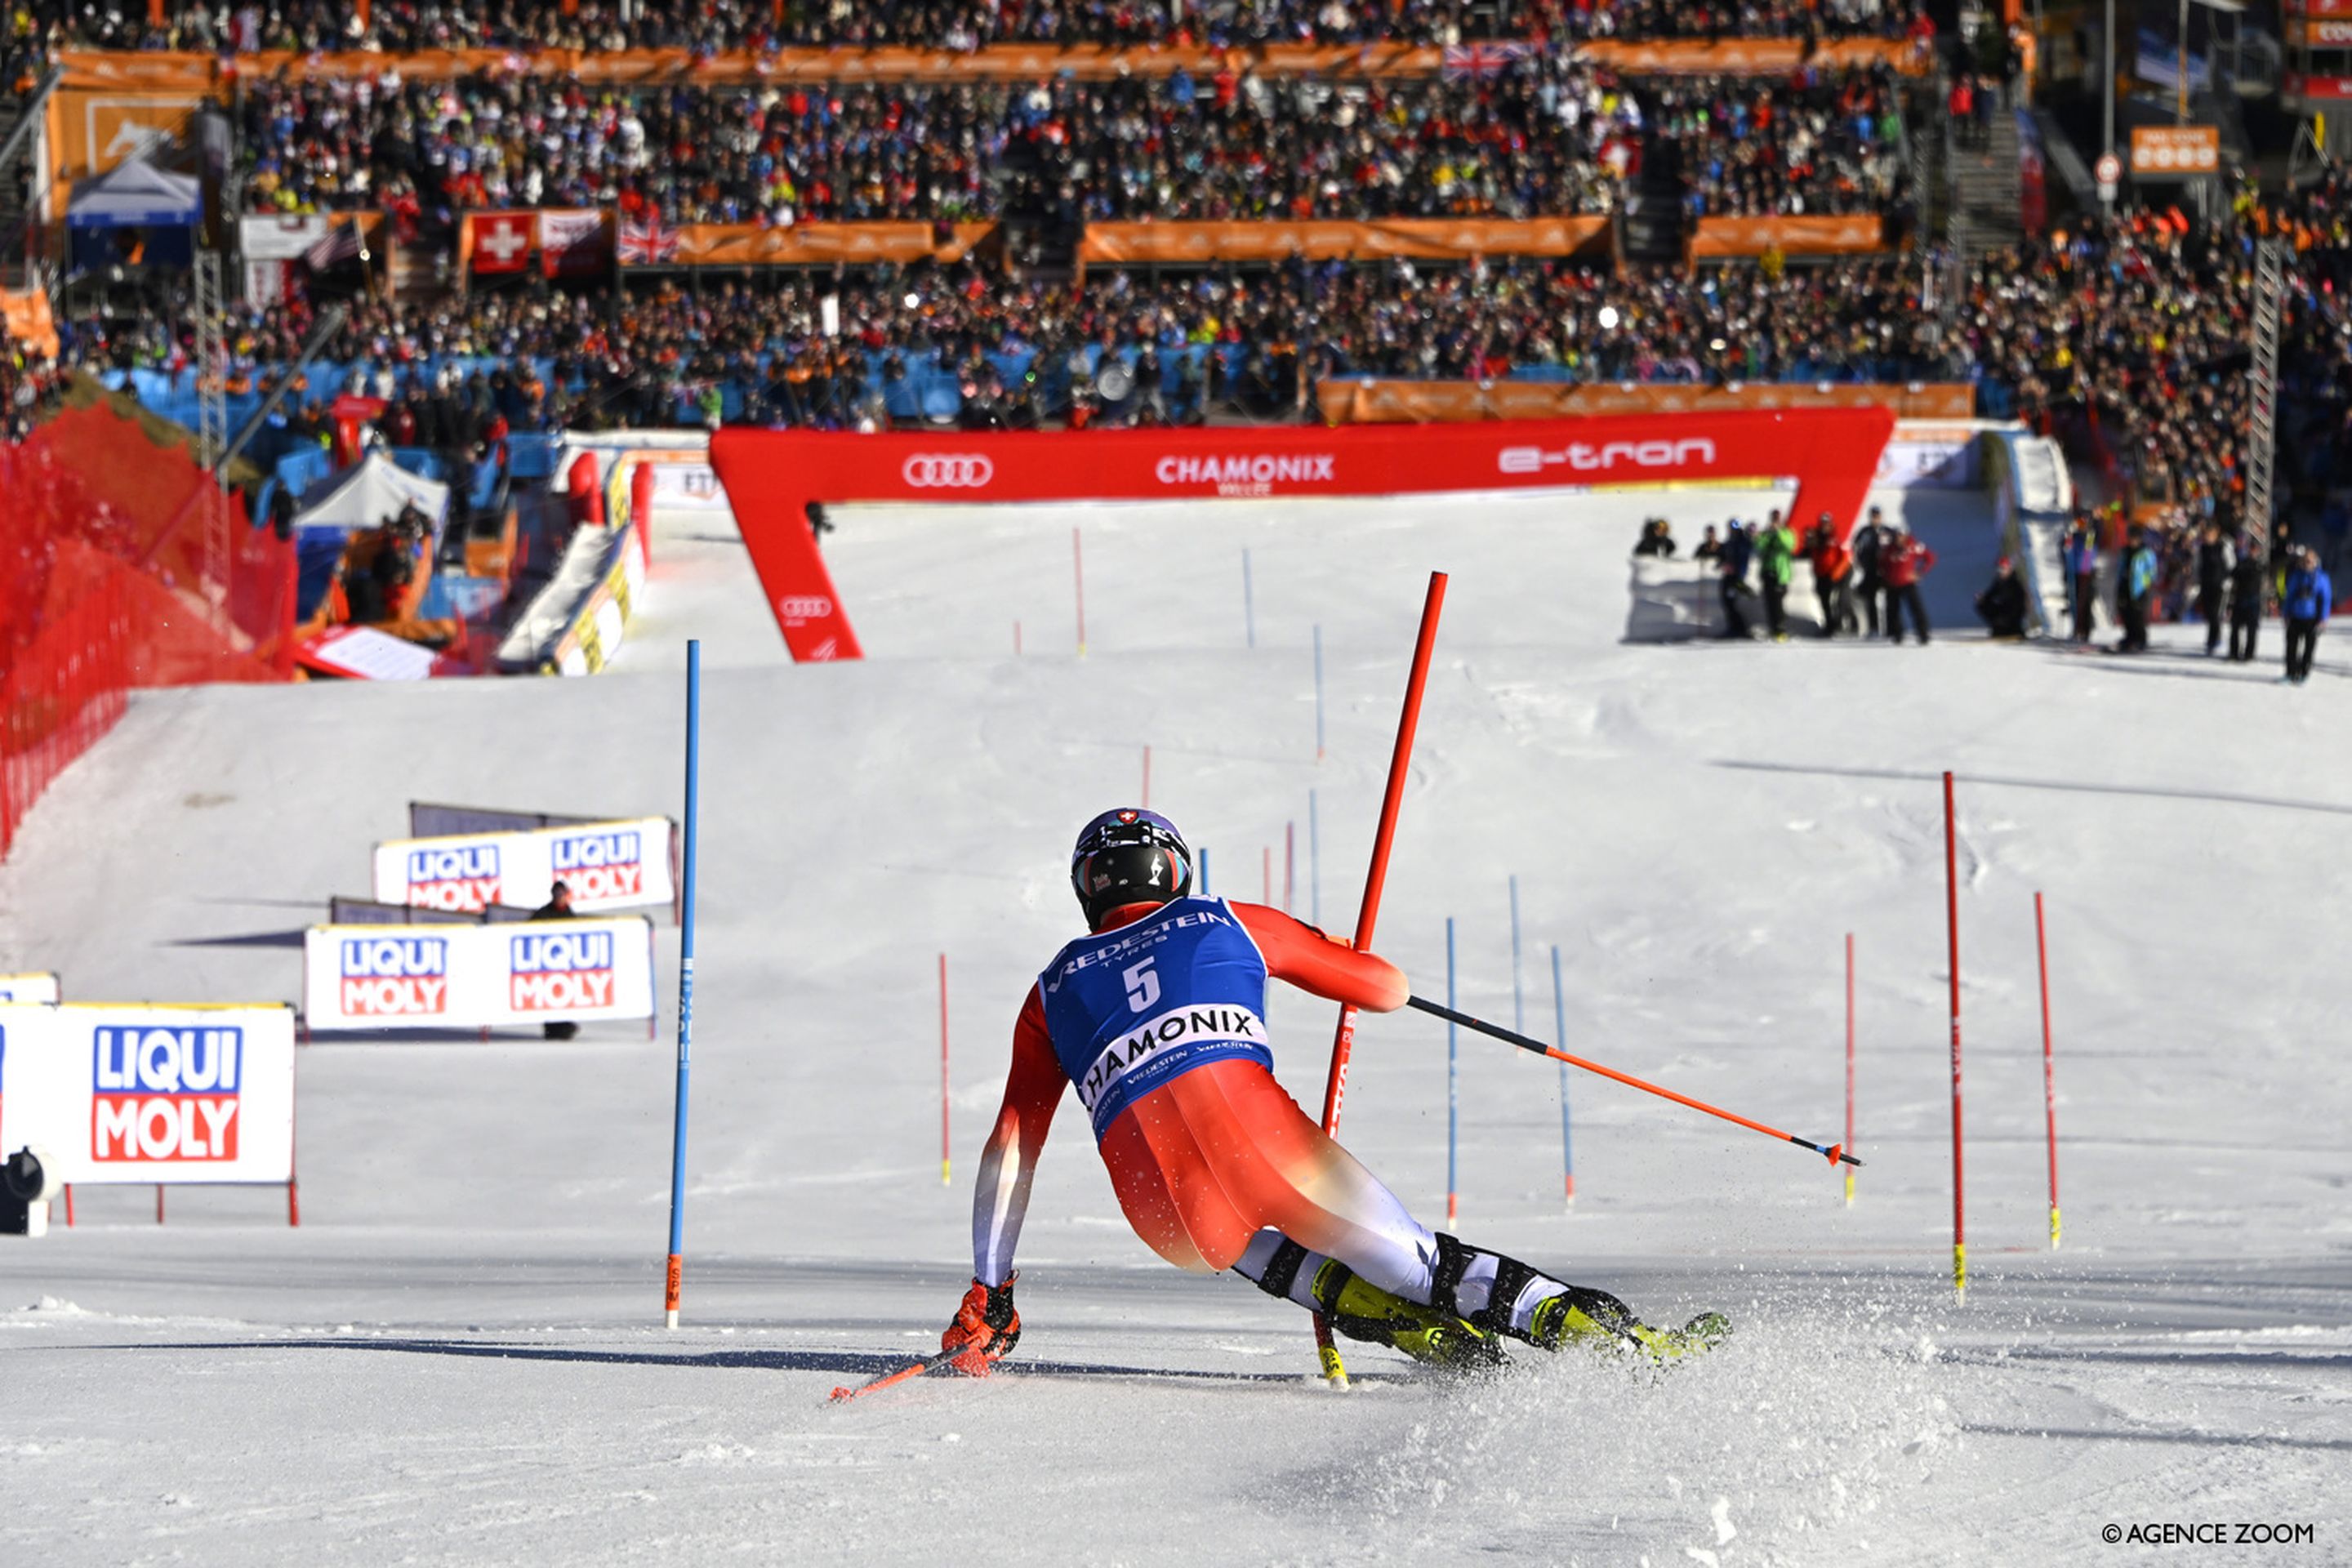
503, 241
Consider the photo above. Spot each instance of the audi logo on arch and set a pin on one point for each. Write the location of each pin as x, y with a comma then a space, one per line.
808, 607
948, 471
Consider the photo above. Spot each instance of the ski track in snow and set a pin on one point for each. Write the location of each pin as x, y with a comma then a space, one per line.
455, 1360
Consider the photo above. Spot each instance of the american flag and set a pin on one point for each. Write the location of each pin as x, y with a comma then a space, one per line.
343, 241
647, 244
1464, 61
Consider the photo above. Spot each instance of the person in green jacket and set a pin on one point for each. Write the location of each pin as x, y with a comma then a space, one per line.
1776, 557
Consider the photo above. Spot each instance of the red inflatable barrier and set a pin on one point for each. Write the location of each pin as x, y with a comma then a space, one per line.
772, 477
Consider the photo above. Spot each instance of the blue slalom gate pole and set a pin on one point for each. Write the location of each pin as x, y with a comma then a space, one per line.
1249, 602
1314, 865
1204, 871
1560, 1022
676, 1274
1519, 1007
1453, 1090
1318, 691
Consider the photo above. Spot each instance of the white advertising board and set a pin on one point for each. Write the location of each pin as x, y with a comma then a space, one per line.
681, 459
469, 977
620, 865
128, 1093
29, 988
1924, 455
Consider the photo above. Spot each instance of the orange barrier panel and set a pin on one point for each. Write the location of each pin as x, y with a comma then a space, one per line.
1370, 401
26, 319
1752, 57
1858, 234
1319, 239
821, 244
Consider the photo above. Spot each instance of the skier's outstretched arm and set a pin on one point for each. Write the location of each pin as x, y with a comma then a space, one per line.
1299, 953
986, 1326
1033, 1092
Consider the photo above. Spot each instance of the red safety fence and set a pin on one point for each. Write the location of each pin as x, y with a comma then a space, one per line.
120, 565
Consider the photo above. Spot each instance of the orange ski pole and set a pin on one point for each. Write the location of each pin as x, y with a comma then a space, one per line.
1834, 1151
915, 1369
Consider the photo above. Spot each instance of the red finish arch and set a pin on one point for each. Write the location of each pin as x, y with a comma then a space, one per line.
772, 476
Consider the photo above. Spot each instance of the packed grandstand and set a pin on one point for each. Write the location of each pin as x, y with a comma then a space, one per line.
998, 214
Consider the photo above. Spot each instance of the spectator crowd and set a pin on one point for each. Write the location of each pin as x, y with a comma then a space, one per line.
35, 28
1545, 134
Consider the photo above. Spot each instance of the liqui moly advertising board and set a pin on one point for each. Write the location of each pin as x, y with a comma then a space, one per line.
474, 977
34, 987
622, 865
137, 1093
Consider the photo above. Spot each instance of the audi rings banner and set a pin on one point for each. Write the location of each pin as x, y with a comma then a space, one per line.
772, 477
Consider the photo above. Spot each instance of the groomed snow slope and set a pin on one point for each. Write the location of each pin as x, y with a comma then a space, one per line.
1694, 828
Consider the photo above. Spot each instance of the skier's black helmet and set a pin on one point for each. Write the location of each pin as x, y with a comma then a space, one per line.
1129, 857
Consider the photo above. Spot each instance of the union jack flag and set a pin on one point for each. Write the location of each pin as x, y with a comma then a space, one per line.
1462, 62
647, 244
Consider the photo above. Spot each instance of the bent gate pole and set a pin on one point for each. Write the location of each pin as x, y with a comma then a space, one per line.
1343, 1043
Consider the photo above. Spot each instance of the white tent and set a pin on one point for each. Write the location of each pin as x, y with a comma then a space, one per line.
368, 495
134, 194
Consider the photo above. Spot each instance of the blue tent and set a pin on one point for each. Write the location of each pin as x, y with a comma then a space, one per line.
136, 195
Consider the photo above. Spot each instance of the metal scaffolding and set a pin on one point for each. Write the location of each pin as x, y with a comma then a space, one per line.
212, 366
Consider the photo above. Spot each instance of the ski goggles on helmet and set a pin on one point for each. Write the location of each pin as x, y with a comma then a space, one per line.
1129, 857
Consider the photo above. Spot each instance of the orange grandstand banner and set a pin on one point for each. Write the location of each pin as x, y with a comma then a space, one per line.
91, 131
1858, 234
159, 70
1752, 57
810, 244
1371, 402
1319, 240
188, 71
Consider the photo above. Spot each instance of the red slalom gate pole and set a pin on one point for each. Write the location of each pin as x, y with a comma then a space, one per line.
1265, 875
1849, 1061
1343, 1043
2049, 1074
1952, 928
1078, 575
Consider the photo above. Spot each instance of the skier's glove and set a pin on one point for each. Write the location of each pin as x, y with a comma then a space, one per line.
985, 1330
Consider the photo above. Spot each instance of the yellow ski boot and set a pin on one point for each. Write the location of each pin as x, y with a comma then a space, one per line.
1365, 1312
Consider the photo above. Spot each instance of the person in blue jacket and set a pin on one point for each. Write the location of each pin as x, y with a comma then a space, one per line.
2135, 590
2309, 594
